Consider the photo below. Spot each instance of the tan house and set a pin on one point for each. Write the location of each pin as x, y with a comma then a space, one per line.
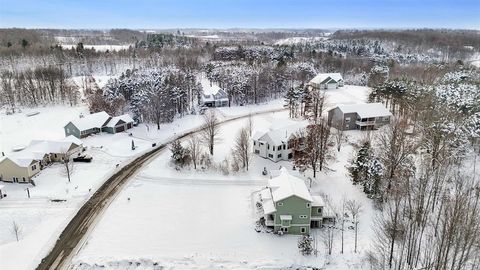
18, 170
22, 165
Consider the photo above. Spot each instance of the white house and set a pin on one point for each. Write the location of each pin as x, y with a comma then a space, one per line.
276, 144
327, 81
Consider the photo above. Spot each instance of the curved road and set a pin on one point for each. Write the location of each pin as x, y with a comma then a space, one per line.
70, 239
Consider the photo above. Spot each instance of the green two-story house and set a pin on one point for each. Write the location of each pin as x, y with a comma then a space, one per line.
288, 207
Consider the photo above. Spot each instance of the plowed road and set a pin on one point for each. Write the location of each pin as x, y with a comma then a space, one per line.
70, 239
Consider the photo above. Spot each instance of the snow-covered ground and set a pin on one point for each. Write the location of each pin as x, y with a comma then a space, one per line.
40, 219
203, 219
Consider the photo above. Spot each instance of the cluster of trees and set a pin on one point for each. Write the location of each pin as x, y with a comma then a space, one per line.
154, 95
39, 86
258, 82
418, 170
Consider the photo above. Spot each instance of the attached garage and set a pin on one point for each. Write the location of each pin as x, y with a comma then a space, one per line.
119, 124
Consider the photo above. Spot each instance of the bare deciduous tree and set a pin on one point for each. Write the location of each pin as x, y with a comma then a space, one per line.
242, 148
16, 229
315, 151
68, 164
354, 208
194, 149
328, 238
210, 130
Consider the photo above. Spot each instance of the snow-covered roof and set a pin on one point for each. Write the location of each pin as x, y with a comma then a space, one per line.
2, 186
124, 117
279, 135
209, 88
21, 162
317, 201
324, 76
94, 120
284, 185
366, 110
73, 139
267, 201
37, 149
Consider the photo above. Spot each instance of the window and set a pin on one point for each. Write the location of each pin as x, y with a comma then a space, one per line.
346, 126
270, 155
386, 118
257, 151
34, 167
303, 230
68, 130
279, 156
279, 148
268, 146
284, 146
347, 119
280, 204
254, 143
55, 155
308, 205
303, 216
283, 229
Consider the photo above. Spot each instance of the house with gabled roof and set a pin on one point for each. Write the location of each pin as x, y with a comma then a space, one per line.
119, 124
286, 205
277, 143
326, 81
87, 125
18, 170
367, 116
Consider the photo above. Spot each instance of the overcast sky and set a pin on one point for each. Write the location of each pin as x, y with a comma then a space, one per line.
149, 14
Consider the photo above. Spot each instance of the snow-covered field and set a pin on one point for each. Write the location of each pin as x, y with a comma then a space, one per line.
41, 220
187, 219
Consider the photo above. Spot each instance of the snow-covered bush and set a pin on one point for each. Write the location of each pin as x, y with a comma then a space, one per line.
305, 245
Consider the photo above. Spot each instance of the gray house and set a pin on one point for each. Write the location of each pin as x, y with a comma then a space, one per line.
118, 124
326, 81
366, 116
219, 99
87, 125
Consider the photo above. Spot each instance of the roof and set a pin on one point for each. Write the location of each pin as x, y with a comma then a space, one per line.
21, 162
37, 149
366, 110
267, 202
124, 117
284, 185
94, 120
208, 87
73, 139
324, 76
279, 135
317, 201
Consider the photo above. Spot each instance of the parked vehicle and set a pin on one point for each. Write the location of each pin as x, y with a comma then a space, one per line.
83, 158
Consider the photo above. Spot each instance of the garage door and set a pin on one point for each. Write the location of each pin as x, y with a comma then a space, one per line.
119, 129
332, 86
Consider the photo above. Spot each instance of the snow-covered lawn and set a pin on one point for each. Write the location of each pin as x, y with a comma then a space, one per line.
203, 219
155, 191
40, 219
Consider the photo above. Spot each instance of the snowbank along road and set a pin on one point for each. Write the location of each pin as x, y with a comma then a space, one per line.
70, 239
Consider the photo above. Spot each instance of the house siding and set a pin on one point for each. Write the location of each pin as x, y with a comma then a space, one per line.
71, 129
9, 170
295, 207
